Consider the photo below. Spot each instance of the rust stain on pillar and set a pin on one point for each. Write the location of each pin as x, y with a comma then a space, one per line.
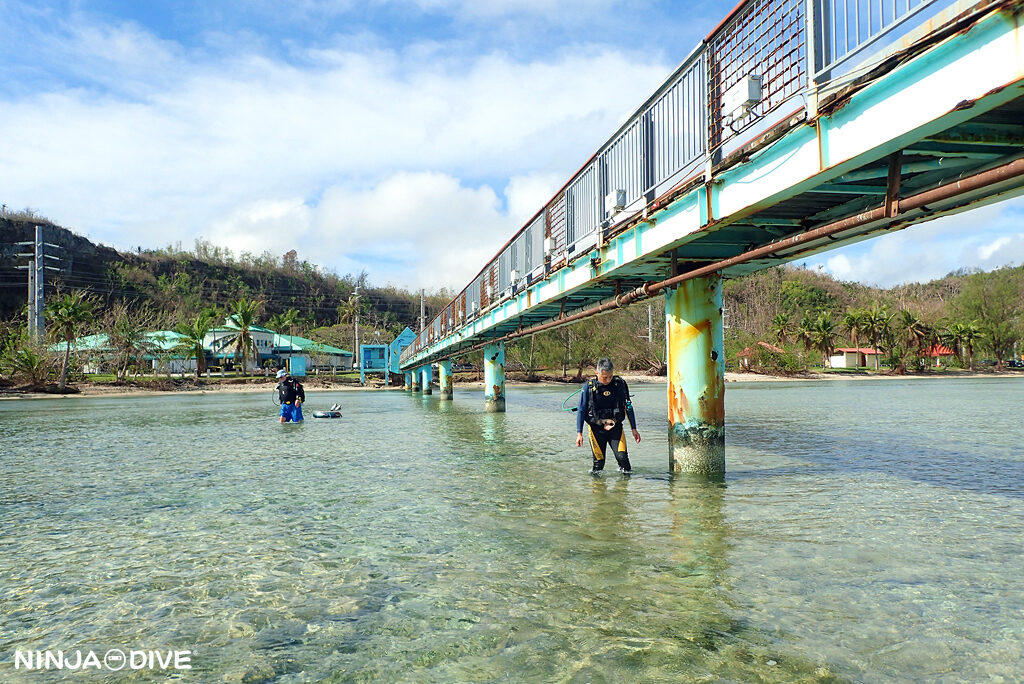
696, 377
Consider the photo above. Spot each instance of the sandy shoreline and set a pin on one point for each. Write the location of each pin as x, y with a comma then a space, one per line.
103, 390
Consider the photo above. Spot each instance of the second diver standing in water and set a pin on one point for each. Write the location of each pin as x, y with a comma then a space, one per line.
604, 405
292, 394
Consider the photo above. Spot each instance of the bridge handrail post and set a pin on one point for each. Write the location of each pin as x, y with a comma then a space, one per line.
811, 47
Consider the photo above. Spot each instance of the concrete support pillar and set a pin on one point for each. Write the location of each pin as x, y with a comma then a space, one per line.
444, 378
695, 349
408, 381
494, 377
414, 379
428, 376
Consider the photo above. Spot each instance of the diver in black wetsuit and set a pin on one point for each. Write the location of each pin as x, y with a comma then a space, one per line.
604, 404
291, 394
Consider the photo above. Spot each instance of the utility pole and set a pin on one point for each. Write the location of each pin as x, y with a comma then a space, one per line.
36, 267
650, 324
423, 310
356, 358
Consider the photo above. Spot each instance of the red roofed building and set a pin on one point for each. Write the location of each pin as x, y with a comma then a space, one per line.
939, 352
855, 357
747, 354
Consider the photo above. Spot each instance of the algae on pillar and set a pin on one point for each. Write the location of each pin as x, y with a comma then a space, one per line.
695, 349
428, 377
494, 377
414, 379
444, 378
408, 381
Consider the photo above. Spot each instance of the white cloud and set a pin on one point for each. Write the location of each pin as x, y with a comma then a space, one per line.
494, 8
985, 238
986, 252
412, 229
527, 194
206, 148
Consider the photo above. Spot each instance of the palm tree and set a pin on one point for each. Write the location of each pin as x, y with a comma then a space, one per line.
971, 335
953, 335
285, 322
823, 336
876, 325
349, 312
30, 362
276, 322
67, 316
805, 332
349, 309
193, 335
780, 327
242, 341
917, 333
126, 334
854, 324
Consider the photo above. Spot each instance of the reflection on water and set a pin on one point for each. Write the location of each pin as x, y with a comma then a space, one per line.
858, 535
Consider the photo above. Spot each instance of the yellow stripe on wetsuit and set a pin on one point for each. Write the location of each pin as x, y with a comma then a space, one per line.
598, 453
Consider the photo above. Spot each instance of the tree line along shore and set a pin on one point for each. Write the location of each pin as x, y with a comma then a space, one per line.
783, 321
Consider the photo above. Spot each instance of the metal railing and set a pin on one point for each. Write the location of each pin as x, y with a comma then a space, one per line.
847, 29
683, 125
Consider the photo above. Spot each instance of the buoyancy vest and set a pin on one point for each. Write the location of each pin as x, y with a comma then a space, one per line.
607, 402
286, 391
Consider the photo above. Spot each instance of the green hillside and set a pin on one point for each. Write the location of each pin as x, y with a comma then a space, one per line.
807, 313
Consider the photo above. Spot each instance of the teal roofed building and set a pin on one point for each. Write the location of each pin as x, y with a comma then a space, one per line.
161, 351
217, 341
300, 355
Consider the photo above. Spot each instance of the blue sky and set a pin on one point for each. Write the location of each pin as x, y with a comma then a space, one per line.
408, 138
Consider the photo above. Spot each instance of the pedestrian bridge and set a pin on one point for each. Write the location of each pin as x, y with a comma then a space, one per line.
795, 127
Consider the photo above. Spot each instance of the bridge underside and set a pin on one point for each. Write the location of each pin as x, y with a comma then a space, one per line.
934, 130
989, 141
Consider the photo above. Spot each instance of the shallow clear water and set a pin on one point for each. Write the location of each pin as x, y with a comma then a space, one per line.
865, 531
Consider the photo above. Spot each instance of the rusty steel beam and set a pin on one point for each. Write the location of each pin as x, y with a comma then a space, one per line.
892, 186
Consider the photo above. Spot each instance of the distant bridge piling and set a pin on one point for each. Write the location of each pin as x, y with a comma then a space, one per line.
444, 379
494, 377
428, 377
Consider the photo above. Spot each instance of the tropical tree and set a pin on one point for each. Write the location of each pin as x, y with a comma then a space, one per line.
854, 324
67, 316
953, 335
349, 309
193, 336
242, 342
289, 321
971, 335
916, 333
348, 314
780, 328
126, 327
876, 325
823, 336
995, 301
29, 361
805, 332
